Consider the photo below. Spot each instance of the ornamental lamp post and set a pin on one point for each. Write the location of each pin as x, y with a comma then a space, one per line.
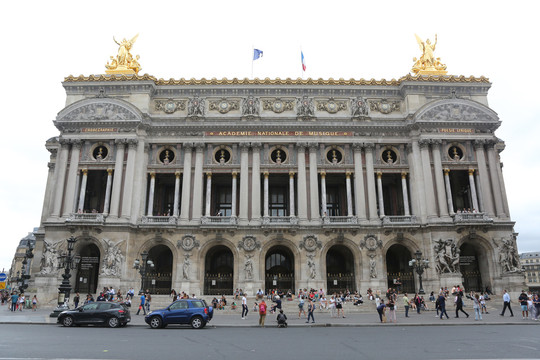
67, 262
143, 267
419, 265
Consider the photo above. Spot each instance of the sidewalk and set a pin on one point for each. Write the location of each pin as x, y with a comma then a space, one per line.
322, 318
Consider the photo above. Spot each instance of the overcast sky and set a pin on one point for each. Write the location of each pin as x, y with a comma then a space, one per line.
44, 41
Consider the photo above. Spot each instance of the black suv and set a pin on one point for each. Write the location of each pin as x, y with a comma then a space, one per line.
99, 313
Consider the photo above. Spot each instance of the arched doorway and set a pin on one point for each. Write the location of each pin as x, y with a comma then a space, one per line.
473, 265
219, 271
340, 269
397, 267
159, 279
86, 280
279, 269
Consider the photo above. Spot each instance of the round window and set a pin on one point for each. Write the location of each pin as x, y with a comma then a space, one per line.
222, 156
334, 156
389, 156
278, 156
100, 152
166, 156
455, 153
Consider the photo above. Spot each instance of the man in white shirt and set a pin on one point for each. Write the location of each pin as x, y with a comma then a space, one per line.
244, 307
506, 304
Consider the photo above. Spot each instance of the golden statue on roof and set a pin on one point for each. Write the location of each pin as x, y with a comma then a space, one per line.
124, 62
428, 64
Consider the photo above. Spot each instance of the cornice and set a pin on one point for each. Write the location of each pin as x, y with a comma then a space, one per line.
278, 81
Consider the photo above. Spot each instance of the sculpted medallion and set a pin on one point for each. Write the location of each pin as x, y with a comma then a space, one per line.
188, 242
249, 243
310, 243
371, 243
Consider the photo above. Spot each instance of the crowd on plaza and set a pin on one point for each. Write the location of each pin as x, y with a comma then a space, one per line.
18, 302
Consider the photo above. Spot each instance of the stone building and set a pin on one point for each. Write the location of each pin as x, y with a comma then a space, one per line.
288, 184
530, 263
17, 262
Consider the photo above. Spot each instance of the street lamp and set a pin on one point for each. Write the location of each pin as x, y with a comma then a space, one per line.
143, 267
67, 262
419, 265
25, 269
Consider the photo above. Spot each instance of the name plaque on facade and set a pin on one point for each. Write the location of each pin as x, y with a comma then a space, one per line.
279, 133
99, 130
454, 130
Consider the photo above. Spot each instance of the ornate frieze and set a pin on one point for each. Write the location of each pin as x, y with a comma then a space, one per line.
384, 106
371, 243
196, 107
223, 105
250, 106
49, 259
98, 111
188, 242
331, 106
278, 105
169, 106
508, 256
310, 243
359, 107
249, 243
305, 107
455, 112
112, 261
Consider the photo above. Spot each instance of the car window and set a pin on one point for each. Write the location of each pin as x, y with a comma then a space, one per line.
90, 307
179, 305
197, 303
105, 306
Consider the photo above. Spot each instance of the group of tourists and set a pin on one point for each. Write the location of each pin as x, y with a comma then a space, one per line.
18, 302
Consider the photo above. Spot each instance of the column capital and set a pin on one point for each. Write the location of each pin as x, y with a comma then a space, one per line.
209, 174
357, 147
424, 143
256, 145
313, 146
471, 171
301, 146
152, 174
234, 174
348, 174
291, 174
436, 143
323, 173
446, 171
491, 143
132, 143
177, 173
379, 174
187, 146
244, 146
369, 147
84, 171
76, 143
404, 174
265, 173
109, 171
479, 144
120, 142
64, 143
199, 147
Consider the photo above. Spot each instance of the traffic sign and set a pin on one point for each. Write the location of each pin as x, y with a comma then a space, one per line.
2, 285
3, 277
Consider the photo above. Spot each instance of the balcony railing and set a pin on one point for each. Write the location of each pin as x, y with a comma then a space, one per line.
277, 220
170, 220
340, 220
471, 217
399, 219
211, 220
86, 217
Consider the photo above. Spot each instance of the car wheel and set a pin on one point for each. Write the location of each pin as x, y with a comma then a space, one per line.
197, 322
67, 321
156, 322
113, 322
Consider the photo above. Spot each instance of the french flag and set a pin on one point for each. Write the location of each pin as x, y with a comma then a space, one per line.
303, 61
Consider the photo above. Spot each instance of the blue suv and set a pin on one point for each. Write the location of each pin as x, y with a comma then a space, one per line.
194, 312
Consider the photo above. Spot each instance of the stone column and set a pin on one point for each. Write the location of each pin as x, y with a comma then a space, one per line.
186, 184
256, 184
117, 180
49, 189
130, 175
265, 205
428, 179
484, 177
439, 181
150, 211
448, 191
292, 211
497, 189
208, 193
61, 166
349, 193
501, 181
380, 194
473, 188
359, 192
108, 192
83, 190
139, 182
233, 193
176, 193
418, 197
479, 192
76, 198
313, 183
405, 193
302, 183
72, 178
244, 184
370, 174
198, 184
323, 193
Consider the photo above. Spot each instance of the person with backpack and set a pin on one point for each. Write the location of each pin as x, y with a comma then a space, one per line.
262, 313
311, 309
459, 304
281, 320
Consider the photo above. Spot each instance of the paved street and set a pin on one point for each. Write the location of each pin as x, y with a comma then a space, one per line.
391, 342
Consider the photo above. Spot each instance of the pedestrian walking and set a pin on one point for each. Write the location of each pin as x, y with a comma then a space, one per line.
262, 312
76, 300
459, 305
34, 303
301, 306
406, 304
536, 306
244, 307
442, 306
506, 303
148, 300
142, 304
21, 302
483, 304
311, 309
477, 307
14, 300
417, 303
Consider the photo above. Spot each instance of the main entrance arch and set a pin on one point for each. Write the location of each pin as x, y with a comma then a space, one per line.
219, 271
473, 265
340, 270
279, 269
397, 267
159, 279
88, 269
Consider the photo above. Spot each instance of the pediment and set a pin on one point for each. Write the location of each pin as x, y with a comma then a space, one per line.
99, 109
456, 110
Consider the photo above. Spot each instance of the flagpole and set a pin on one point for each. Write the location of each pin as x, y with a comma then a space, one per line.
301, 63
252, 52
